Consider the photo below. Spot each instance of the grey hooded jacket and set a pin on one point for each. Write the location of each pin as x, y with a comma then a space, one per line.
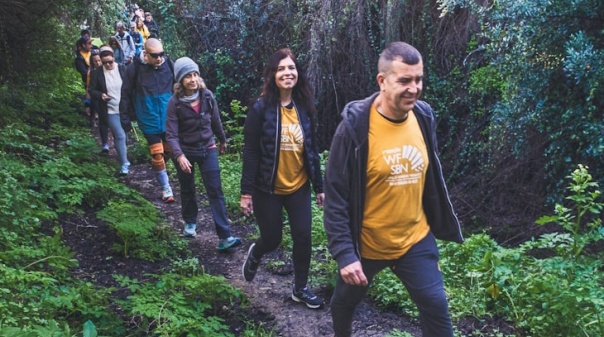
345, 182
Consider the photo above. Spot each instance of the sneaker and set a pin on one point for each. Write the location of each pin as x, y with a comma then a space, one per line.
228, 243
167, 196
105, 148
307, 297
125, 169
250, 266
189, 230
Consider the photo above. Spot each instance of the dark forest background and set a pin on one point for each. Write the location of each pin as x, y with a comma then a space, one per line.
518, 86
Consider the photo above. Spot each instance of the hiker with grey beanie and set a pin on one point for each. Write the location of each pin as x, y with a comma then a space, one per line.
193, 121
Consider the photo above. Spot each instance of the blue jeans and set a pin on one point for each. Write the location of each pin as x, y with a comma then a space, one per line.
210, 175
268, 210
419, 271
119, 138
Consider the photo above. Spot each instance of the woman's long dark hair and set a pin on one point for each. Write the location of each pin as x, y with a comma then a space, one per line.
302, 93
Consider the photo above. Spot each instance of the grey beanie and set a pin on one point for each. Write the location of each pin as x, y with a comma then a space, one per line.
184, 66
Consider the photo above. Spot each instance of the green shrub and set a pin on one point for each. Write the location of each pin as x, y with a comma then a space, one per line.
138, 224
176, 305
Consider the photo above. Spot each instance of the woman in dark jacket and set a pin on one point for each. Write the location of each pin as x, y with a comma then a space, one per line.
193, 119
95, 62
105, 87
280, 159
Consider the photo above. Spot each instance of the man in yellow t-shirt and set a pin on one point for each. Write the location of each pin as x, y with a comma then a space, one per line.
385, 196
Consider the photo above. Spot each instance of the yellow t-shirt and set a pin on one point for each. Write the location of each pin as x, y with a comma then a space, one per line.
394, 218
291, 172
86, 56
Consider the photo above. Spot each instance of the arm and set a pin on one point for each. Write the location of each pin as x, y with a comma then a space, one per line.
252, 133
338, 196
172, 128
217, 128
131, 49
127, 113
80, 66
145, 32
94, 89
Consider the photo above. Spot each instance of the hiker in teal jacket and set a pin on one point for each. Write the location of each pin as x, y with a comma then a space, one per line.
146, 91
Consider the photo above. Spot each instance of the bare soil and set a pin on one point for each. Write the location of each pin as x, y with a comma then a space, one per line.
270, 302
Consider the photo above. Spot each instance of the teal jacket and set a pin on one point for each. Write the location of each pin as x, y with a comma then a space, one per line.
146, 91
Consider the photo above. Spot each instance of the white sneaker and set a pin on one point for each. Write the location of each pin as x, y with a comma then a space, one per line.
167, 196
190, 230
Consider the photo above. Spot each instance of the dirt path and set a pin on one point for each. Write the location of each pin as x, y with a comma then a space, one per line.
269, 293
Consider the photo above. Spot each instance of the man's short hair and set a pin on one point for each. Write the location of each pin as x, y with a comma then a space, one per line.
119, 24
402, 51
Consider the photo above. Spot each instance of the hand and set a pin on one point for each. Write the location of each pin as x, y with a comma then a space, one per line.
105, 97
246, 204
222, 148
353, 274
320, 199
184, 164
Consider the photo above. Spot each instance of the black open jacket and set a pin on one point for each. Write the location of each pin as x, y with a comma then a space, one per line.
346, 180
262, 137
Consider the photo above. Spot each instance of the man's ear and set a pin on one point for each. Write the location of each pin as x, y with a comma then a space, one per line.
380, 78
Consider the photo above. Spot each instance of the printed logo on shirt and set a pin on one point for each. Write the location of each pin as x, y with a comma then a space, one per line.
291, 137
406, 165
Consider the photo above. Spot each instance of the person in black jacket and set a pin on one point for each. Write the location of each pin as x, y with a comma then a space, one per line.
106, 87
385, 196
193, 120
280, 159
82, 57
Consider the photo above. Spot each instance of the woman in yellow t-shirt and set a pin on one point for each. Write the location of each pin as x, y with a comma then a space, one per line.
280, 159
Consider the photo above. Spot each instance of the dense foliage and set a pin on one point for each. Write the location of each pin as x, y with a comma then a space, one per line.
517, 86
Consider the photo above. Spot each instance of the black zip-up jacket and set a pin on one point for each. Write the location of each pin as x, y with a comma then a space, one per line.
188, 131
81, 66
346, 181
98, 87
262, 137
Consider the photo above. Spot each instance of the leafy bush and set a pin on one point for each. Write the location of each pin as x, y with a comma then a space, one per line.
137, 222
548, 286
178, 305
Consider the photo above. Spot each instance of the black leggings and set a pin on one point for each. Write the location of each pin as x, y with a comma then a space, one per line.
268, 209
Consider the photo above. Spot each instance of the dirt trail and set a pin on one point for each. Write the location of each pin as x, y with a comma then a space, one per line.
269, 293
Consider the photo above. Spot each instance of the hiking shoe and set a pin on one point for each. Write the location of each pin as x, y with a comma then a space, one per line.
125, 169
228, 243
189, 230
250, 266
167, 196
307, 297
105, 148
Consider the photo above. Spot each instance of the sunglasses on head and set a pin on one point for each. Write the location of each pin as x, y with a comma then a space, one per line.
156, 55
107, 62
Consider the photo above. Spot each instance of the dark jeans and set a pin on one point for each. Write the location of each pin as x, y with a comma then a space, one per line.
104, 132
210, 175
419, 271
268, 209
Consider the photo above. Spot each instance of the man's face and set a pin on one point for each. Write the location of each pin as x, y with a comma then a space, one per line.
86, 47
154, 55
120, 30
148, 17
132, 27
401, 87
